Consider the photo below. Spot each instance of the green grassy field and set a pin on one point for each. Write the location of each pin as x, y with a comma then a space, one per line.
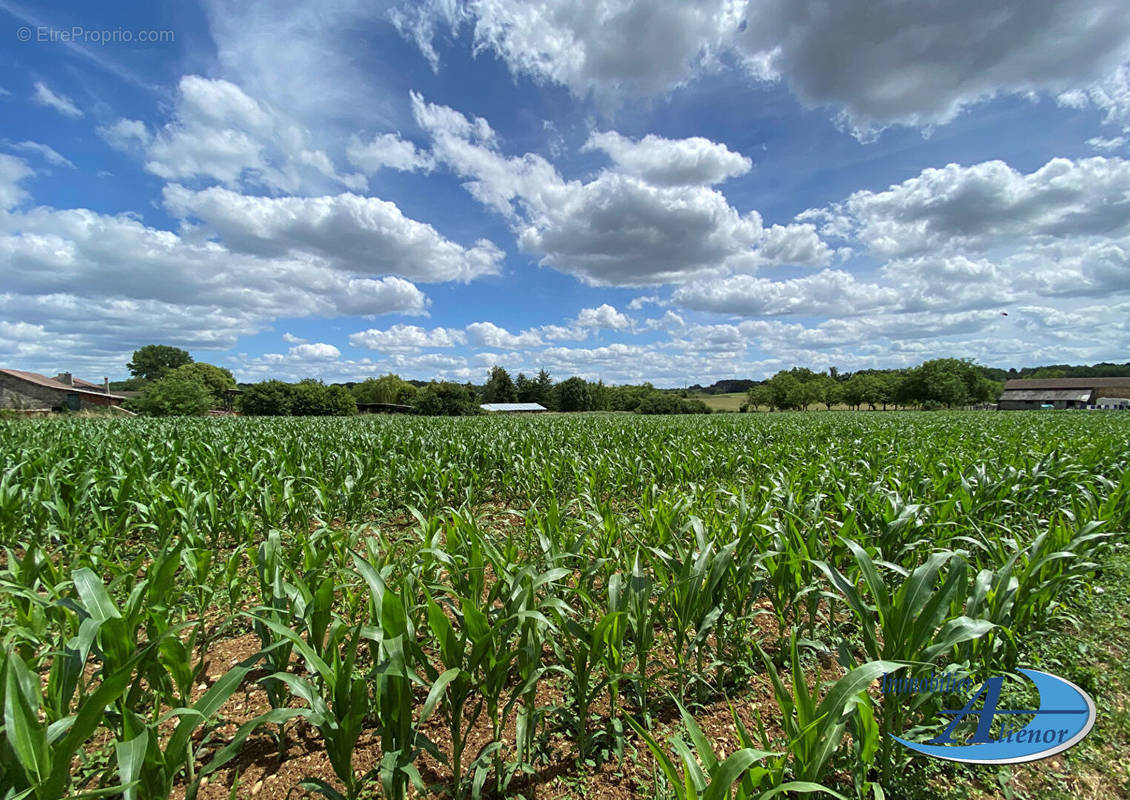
563, 606
721, 402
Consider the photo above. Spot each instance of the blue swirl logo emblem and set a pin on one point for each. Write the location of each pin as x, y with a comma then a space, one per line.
1065, 715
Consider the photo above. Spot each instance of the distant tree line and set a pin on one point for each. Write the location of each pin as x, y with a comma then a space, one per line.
171, 383
940, 383
572, 394
1102, 370
729, 386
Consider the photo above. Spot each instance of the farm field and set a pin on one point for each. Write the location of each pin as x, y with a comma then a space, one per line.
731, 401
568, 606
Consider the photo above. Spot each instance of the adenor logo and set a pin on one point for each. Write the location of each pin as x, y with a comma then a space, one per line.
1065, 715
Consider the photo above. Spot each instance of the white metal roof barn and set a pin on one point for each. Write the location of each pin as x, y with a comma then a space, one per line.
511, 408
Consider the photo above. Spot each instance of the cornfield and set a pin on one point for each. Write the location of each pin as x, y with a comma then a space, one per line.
459, 608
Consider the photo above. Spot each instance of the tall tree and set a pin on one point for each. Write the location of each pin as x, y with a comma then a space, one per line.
526, 388
543, 391
152, 361
499, 388
784, 390
830, 391
947, 382
573, 394
312, 398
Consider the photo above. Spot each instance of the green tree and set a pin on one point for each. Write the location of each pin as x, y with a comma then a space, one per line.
152, 361
386, 389
267, 399
340, 402
525, 388
217, 380
871, 389
446, 400
628, 397
830, 391
543, 389
760, 395
851, 390
890, 382
784, 391
175, 395
660, 402
809, 392
499, 387
312, 398
947, 382
573, 394
601, 396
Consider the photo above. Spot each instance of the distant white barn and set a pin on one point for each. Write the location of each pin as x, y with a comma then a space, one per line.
513, 408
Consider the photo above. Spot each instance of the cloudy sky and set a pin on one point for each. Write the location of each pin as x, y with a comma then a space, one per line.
666, 190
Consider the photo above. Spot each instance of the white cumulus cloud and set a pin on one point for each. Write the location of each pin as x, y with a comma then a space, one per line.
671, 162
362, 235
318, 351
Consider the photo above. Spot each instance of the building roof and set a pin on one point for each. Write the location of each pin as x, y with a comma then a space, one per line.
1047, 395
512, 407
81, 384
51, 383
1064, 383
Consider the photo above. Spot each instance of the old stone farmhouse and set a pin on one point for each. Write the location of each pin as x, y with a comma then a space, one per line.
30, 390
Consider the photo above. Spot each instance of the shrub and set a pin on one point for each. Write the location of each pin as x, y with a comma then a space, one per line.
267, 399
175, 395
313, 398
666, 403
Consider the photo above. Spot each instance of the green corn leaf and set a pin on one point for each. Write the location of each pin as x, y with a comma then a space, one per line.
94, 596
729, 772
22, 727
131, 760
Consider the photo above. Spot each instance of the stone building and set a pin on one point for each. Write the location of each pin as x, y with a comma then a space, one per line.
30, 390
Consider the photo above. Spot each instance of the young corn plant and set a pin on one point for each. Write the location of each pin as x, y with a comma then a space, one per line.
534, 610
271, 616
914, 622
911, 624
493, 683
814, 727
642, 613
692, 583
583, 653
459, 652
392, 642
36, 757
151, 764
32, 585
705, 776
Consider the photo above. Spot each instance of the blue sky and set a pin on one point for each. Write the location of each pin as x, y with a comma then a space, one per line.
634, 190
